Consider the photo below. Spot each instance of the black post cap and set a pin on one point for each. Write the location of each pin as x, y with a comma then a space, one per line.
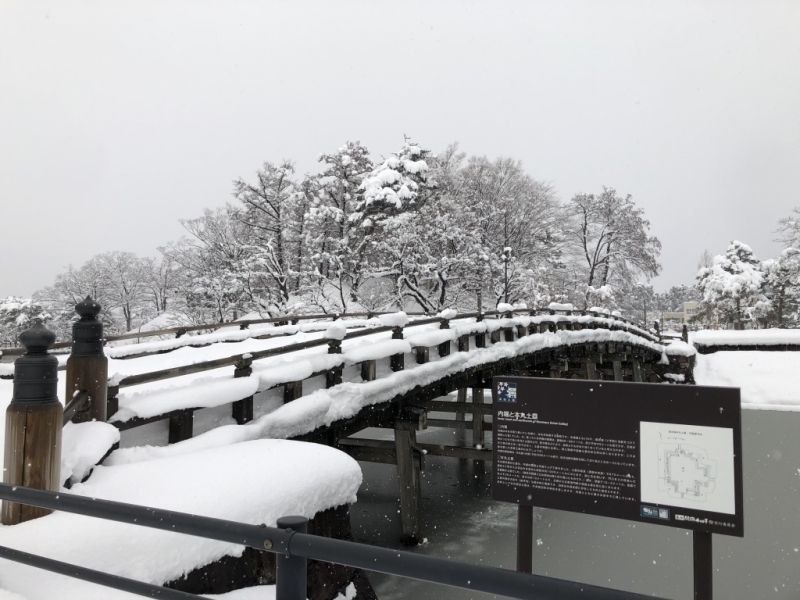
88, 309
37, 339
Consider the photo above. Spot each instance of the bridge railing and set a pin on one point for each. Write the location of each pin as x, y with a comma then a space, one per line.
181, 330
181, 419
293, 548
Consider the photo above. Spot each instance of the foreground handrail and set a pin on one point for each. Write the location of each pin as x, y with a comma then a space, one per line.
290, 544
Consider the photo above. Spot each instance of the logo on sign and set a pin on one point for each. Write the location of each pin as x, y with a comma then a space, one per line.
506, 392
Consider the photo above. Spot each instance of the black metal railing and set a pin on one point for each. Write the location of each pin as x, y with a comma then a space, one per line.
293, 548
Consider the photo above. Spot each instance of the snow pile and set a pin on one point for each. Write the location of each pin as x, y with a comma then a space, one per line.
267, 592
83, 445
746, 337
377, 350
221, 483
679, 348
6, 370
448, 314
560, 306
398, 319
205, 392
430, 338
337, 331
272, 374
768, 380
504, 307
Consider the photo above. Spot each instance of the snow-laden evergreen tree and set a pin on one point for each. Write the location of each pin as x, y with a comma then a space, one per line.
781, 285
17, 315
731, 287
334, 240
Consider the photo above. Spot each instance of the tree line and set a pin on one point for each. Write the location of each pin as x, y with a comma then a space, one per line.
414, 230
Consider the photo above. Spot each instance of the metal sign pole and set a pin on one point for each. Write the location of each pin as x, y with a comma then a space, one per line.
525, 538
703, 568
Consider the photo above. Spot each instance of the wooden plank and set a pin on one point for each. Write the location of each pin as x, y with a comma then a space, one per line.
292, 391
368, 370
450, 406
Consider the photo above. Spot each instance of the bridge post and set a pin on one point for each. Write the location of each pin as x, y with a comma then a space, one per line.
444, 347
408, 472
478, 435
34, 420
242, 410
291, 581
334, 375
637, 369
87, 365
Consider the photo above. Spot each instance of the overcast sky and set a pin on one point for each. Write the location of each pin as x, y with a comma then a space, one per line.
117, 119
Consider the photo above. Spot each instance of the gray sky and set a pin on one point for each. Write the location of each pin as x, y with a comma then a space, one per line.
119, 118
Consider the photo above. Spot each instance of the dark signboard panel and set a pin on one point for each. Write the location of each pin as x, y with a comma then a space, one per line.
652, 453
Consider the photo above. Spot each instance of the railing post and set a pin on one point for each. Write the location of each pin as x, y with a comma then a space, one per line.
397, 361
334, 334
291, 582
34, 420
87, 365
242, 410
685, 333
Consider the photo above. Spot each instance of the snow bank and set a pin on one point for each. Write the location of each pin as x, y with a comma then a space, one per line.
82, 447
747, 337
291, 478
768, 380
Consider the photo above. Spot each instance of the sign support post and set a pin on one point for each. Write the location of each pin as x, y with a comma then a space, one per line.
525, 538
703, 566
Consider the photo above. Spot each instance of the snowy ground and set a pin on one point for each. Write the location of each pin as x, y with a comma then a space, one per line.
747, 337
768, 380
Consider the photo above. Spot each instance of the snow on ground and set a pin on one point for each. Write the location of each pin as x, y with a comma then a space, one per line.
769, 380
290, 478
679, 348
267, 592
748, 337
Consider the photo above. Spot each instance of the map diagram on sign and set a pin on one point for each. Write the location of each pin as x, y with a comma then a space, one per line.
687, 466
685, 471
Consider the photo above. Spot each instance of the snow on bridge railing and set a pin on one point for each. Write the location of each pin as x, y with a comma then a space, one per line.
179, 404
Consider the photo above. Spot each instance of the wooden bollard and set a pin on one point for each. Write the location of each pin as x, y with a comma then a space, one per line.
34, 420
87, 365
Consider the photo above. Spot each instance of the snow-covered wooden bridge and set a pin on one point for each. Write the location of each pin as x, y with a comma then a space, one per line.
325, 380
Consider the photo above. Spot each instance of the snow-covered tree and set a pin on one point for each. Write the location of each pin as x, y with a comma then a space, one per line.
731, 287
610, 235
334, 241
17, 315
781, 284
273, 210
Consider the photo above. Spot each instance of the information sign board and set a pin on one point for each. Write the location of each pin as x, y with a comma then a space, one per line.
666, 454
